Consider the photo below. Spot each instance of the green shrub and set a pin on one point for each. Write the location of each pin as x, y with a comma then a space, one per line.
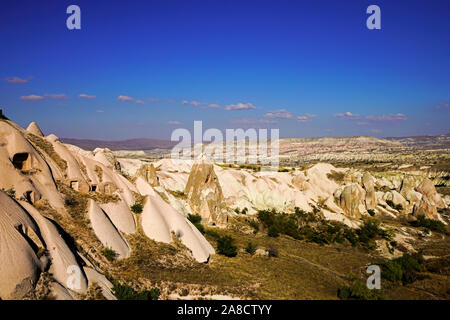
371, 212
404, 268
371, 229
212, 233
254, 225
359, 291
251, 248
125, 292
196, 219
226, 247
10, 192
391, 204
137, 208
430, 224
273, 232
110, 254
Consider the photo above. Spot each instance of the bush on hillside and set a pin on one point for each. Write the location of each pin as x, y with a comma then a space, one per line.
196, 220
137, 208
359, 291
125, 292
226, 247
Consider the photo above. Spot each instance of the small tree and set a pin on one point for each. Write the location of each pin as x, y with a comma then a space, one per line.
226, 247
250, 248
196, 220
110, 254
137, 208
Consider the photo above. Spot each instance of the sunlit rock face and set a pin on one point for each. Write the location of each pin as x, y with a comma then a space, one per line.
204, 192
148, 173
352, 200
430, 201
368, 184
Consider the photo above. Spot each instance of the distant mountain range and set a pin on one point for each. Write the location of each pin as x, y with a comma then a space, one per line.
312, 144
131, 144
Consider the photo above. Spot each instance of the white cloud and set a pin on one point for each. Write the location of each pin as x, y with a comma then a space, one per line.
56, 96
279, 114
173, 122
153, 99
124, 98
100, 111
371, 118
214, 106
240, 106
305, 118
140, 101
252, 121
16, 80
86, 96
32, 97
192, 103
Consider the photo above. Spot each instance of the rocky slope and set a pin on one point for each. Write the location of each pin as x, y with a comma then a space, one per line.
66, 212
50, 190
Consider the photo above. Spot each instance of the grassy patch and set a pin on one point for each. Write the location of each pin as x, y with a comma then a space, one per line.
47, 147
336, 176
126, 292
359, 291
109, 254
430, 224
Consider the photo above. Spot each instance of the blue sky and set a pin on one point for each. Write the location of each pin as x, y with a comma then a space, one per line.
310, 68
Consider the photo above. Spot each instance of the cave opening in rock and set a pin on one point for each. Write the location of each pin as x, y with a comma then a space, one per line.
21, 161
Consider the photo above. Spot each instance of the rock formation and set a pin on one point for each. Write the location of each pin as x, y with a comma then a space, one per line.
205, 193
352, 200
368, 184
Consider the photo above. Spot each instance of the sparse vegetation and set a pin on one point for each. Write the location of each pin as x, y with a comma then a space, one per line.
126, 292
10, 192
371, 212
430, 224
109, 254
391, 204
47, 147
137, 208
94, 292
196, 220
243, 211
226, 247
359, 291
404, 269
309, 226
336, 176
251, 248
99, 172
212, 233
